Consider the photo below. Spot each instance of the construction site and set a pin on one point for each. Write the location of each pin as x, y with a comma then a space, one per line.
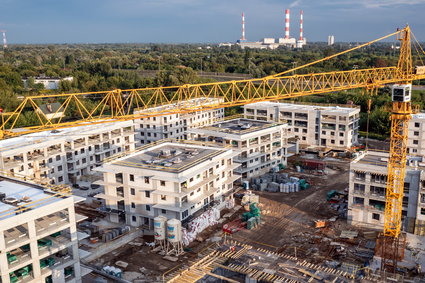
284, 194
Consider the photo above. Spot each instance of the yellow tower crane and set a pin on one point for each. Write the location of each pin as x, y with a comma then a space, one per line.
78, 109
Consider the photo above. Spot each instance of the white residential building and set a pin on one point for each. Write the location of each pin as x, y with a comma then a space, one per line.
173, 179
367, 192
260, 145
63, 156
332, 127
174, 126
38, 235
49, 82
416, 138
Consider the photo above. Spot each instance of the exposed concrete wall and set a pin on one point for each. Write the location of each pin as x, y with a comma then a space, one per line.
112, 245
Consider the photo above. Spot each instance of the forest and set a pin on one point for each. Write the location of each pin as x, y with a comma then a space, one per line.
100, 67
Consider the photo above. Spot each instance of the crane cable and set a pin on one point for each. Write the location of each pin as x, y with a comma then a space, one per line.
416, 48
334, 55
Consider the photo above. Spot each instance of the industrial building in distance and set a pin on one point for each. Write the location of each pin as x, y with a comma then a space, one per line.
333, 127
260, 145
273, 43
172, 179
38, 240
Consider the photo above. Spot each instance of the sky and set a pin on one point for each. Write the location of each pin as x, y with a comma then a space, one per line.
203, 21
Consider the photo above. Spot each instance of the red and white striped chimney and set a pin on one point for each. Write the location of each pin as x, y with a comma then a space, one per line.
243, 26
301, 25
287, 23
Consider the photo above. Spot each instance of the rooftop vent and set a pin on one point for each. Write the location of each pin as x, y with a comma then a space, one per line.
246, 126
10, 200
177, 161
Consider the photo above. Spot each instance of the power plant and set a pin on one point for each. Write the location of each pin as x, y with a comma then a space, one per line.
273, 43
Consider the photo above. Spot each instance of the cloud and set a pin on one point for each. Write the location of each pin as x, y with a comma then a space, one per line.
295, 3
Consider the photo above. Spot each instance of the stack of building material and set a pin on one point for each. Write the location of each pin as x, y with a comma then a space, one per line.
279, 182
199, 224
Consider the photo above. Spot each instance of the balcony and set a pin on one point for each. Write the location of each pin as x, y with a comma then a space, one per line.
51, 223
15, 236
10, 163
51, 245
19, 258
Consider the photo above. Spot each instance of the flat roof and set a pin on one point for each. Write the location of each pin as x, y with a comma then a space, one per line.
65, 134
21, 194
293, 106
240, 126
196, 102
169, 157
381, 159
418, 116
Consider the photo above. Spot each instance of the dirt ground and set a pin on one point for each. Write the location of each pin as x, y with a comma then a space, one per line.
291, 219
287, 226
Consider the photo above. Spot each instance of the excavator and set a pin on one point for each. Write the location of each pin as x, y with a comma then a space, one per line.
119, 105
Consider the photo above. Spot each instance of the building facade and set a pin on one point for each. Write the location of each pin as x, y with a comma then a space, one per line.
260, 145
38, 235
173, 179
416, 136
174, 126
64, 156
367, 192
315, 126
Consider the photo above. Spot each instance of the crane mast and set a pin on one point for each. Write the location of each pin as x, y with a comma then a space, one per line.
391, 240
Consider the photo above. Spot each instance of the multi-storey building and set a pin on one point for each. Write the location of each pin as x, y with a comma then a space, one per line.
260, 144
38, 235
173, 179
416, 138
63, 156
367, 189
333, 127
174, 126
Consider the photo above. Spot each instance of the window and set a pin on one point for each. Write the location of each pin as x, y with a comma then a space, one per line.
58, 157
147, 194
185, 214
82, 150
163, 211
375, 216
133, 205
60, 168
84, 160
163, 197
131, 178
146, 180
162, 183
50, 160
323, 132
148, 207
133, 218
341, 142
118, 178
341, 134
60, 179
417, 125
415, 142
133, 191
416, 133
